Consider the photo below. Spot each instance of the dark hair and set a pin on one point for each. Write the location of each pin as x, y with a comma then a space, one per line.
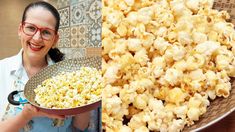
54, 53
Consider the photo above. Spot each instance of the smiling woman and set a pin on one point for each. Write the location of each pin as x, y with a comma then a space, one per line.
38, 34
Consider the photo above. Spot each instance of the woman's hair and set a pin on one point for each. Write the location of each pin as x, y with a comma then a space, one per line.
54, 53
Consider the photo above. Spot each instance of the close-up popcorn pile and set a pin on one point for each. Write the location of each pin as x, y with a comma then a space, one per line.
70, 89
163, 61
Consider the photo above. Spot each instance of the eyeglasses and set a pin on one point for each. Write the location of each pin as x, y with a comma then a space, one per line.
31, 29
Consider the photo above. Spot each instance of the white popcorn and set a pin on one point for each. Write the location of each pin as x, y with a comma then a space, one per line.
193, 5
134, 44
176, 95
111, 74
129, 2
125, 129
207, 48
179, 9
155, 104
211, 94
70, 89
184, 38
178, 52
181, 111
176, 125
140, 101
159, 61
161, 45
193, 114
173, 76
197, 75
222, 62
199, 37
142, 129
141, 57
114, 18
211, 77
167, 59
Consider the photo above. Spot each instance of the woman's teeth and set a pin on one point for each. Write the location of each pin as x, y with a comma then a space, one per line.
35, 46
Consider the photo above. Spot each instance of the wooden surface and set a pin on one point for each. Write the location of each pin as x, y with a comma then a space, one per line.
225, 125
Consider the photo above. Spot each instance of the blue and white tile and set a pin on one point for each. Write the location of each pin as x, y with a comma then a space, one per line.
94, 11
62, 3
94, 36
78, 13
64, 17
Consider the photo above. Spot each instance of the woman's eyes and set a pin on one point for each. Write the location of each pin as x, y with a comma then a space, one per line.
46, 32
43, 31
31, 28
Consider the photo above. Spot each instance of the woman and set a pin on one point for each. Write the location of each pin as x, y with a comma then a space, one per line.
38, 35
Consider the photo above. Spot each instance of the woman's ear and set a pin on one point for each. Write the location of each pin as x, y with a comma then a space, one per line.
20, 30
55, 40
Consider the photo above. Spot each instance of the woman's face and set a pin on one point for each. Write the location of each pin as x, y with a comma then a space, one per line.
35, 46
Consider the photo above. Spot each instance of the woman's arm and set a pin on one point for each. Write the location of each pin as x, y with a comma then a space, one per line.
81, 121
14, 124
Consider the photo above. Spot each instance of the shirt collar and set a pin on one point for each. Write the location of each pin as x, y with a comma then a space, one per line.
18, 66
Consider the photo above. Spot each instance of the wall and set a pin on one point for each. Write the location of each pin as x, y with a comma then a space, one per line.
10, 16
80, 27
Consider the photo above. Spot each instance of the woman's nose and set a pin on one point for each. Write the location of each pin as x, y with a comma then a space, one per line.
37, 35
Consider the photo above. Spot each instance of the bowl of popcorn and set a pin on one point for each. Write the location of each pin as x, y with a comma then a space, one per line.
167, 65
68, 87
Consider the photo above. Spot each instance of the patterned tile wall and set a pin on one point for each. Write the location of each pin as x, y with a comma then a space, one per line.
80, 27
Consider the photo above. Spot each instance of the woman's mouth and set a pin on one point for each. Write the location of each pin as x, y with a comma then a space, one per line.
35, 47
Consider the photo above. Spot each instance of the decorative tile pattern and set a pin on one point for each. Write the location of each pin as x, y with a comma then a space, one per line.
71, 53
94, 11
79, 36
83, 17
94, 36
62, 3
78, 13
74, 1
82, 35
64, 40
64, 17
93, 51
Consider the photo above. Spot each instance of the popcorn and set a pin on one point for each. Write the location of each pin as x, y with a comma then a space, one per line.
125, 129
70, 89
193, 114
184, 38
162, 62
176, 96
133, 44
207, 48
141, 57
140, 101
199, 37
173, 76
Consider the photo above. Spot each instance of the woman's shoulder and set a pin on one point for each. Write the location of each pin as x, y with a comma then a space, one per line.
8, 60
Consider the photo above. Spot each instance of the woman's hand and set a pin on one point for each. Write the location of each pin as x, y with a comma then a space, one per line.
81, 121
30, 111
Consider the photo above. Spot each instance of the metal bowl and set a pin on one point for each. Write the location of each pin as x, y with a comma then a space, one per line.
217, 110
53, 70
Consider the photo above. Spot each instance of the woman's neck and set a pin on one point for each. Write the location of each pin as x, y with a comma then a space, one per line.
33, 66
